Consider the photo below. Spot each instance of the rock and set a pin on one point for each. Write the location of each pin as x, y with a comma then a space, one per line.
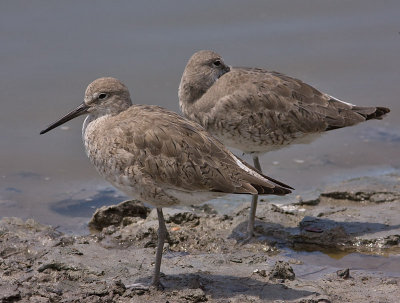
391, 240
344, 273
65, 241
376, 197
118, 287
236, 260
282, 270
193, 295
9, 293
326, 233
385, 242
114, 214
56, 266
312, 202
260, 272
383, 197
345, 195
183, 217
391, 282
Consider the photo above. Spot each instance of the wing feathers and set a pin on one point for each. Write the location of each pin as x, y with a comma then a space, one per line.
180, 154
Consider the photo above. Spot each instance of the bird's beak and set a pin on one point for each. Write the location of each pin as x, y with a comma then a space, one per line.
80, 110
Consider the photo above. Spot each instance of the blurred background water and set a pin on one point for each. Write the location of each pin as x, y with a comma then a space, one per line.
50, 52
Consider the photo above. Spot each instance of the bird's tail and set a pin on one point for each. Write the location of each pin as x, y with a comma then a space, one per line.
262, 183
371, 112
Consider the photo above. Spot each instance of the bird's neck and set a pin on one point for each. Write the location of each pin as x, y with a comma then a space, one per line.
189, 93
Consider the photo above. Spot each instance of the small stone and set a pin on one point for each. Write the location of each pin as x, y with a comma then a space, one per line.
282, 270
260, 272
383, 197
344, 273
58, 266
114, 214
74, 251
391, 282
9, 293
183, 217
118, 287
65, 241
236, 260
308, 202
193, 295
391, 240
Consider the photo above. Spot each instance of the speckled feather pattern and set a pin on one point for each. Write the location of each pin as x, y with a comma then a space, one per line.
152, 154
256, 110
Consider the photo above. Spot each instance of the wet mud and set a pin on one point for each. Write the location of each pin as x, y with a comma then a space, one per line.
205, 259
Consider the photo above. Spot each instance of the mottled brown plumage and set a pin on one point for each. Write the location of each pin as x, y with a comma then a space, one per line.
256, 111
152, 151
159, 157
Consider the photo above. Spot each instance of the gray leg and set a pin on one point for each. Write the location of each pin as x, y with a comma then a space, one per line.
162, 233
253, 208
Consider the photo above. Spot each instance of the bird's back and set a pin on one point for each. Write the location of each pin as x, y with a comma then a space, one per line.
256, 110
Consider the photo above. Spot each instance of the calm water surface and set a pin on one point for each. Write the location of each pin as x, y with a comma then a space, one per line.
50, 52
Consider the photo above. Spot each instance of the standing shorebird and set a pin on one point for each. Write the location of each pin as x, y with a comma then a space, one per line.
256, 111
159, 157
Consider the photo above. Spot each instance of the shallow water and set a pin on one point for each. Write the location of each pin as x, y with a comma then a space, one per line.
51, 52
318, 263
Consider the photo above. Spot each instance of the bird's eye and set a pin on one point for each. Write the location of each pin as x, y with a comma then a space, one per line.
102, 96
217, 63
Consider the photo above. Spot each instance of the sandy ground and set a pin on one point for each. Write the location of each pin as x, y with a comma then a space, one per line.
204, 259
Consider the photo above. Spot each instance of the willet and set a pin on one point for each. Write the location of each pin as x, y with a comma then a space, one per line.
256, 111
159, 157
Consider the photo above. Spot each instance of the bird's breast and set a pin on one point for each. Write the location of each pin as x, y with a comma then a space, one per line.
96, 146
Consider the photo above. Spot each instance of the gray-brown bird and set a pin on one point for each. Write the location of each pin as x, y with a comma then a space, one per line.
256, 111
159, 157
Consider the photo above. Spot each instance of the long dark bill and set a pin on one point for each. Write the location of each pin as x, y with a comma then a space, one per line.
80, 110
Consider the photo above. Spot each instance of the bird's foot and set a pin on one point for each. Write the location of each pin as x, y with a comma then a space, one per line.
158, 285
246, 238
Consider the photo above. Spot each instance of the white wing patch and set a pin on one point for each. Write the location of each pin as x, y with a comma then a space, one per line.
248, 170
336, 99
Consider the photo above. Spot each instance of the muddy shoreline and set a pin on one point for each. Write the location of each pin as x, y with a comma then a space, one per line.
204, 259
